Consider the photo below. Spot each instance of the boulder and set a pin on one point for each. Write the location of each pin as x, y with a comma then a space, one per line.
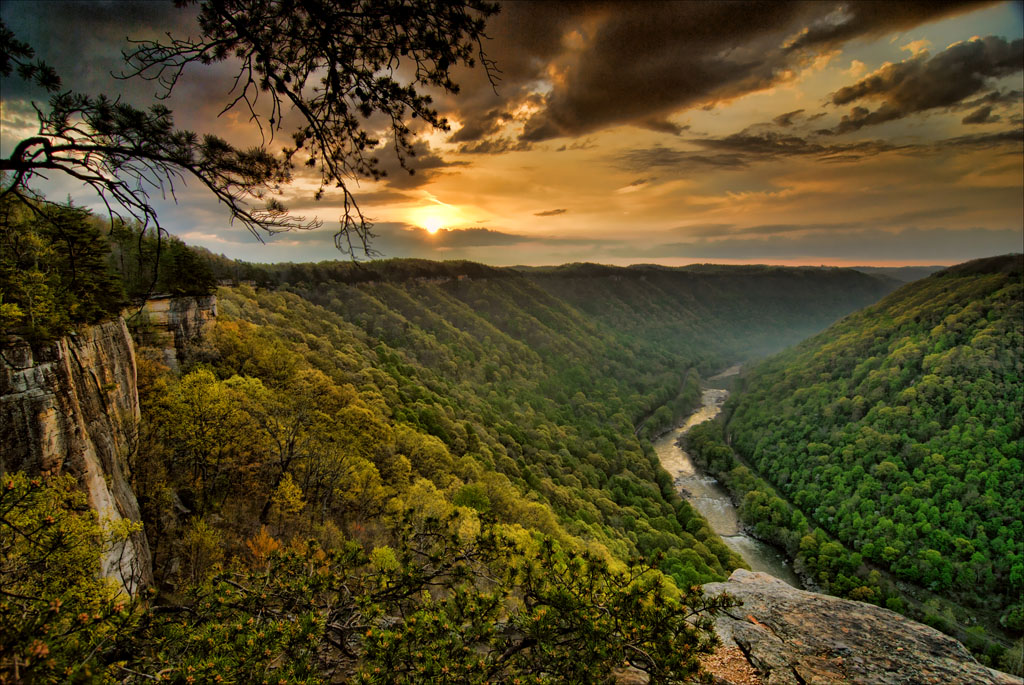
794, 636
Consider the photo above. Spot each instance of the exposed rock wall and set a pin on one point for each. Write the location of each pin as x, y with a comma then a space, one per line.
73, 407
791, 636
173, 324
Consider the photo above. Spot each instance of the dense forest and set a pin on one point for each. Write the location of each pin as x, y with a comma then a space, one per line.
432, 469
61, 266
893, 446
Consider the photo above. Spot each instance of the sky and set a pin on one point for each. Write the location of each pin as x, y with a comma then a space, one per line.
837, 133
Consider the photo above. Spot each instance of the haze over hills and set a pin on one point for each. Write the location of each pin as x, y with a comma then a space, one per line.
905, 274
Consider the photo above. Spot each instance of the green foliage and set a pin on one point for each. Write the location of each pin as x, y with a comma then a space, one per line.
60, 266
508, 399
55, 612
53, 270
578, 454
150, 261
899, 432
820, 560
444, 608
448, 603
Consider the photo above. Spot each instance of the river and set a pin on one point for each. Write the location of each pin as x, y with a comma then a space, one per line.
711, 499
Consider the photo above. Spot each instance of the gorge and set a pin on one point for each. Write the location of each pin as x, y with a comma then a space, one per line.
489, 396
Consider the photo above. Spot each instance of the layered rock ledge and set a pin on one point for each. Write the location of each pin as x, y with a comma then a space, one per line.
794, 637
72, 406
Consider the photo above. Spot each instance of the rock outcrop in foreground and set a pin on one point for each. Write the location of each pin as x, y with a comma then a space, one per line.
793, 636
72, 406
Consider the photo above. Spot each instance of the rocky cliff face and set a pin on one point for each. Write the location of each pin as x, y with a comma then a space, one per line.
73, 407
791, 636
173, 324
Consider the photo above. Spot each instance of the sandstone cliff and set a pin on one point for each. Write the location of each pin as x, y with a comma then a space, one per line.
72, 406
172, 324
793, 636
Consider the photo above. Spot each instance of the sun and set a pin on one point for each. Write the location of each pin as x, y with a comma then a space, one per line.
432, 218
433, 223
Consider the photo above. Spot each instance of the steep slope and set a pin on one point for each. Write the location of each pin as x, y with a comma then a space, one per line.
899, 432
511, 378
732, 312
71, 406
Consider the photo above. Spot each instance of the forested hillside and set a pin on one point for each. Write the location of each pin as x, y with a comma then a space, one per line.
502, 394
898, 431
728, 313
433, 468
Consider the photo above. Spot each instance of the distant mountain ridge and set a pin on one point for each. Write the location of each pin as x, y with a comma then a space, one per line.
903, 274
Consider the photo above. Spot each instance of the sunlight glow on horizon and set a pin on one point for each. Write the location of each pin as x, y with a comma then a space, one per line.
434, 217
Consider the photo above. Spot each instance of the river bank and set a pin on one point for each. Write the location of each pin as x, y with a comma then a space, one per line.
710, 498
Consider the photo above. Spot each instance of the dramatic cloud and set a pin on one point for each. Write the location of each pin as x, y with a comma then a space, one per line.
626, 63
661, 155
424, 166
982, 115
786, 120
671, 158
871, 19
922, 83
494, 146
487, 124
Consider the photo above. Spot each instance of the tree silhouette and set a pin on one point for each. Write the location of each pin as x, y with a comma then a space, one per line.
329, 65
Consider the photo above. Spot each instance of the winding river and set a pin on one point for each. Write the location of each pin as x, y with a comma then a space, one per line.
711, 499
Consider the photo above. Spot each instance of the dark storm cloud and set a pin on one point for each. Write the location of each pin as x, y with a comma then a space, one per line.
485, 125
642, 159
873, 19
426, 164
634, 67
786, 120
551, 212
494, 146
922, 82
982, 115
63, 32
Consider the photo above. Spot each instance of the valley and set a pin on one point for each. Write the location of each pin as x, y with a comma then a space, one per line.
527, 413
710, 499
